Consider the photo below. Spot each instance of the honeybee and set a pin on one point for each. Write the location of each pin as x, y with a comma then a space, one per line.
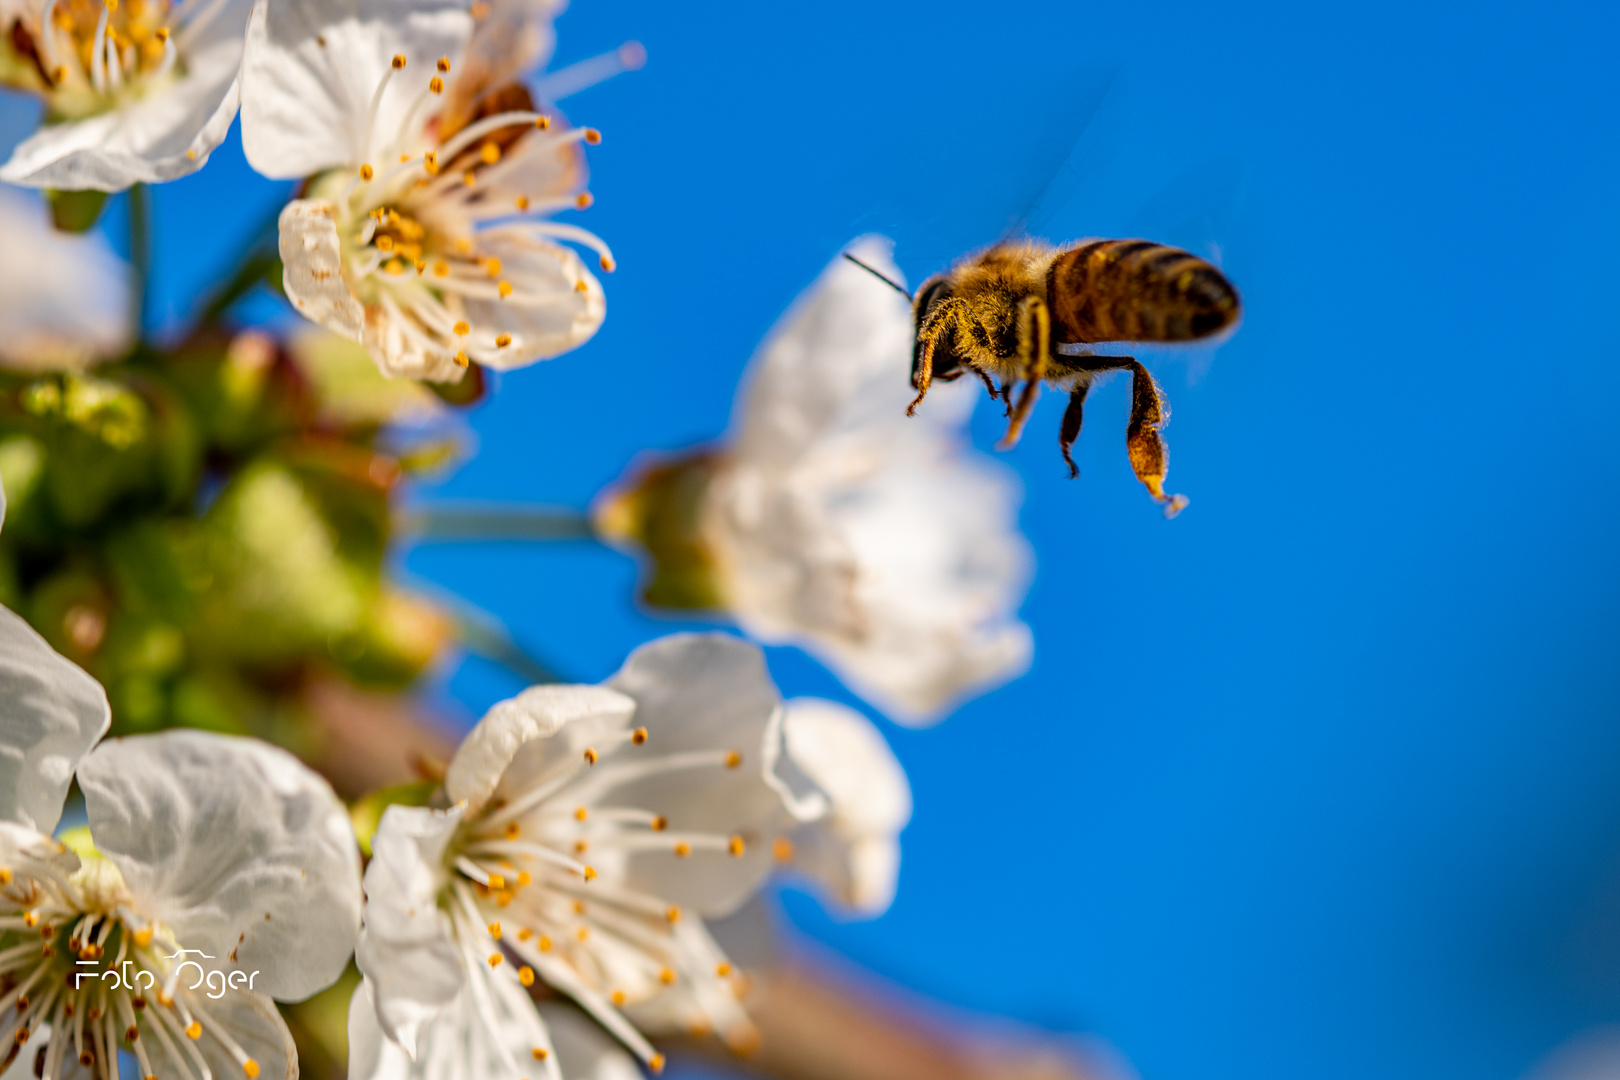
1007, 311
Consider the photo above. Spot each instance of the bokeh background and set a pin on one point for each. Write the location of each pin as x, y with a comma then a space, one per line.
1321, 779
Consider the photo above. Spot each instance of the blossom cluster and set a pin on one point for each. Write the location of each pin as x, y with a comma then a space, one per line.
200, 538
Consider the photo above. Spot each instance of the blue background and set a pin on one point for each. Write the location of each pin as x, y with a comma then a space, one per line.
1318, 780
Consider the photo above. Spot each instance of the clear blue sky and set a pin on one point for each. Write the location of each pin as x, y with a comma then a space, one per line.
1321, 779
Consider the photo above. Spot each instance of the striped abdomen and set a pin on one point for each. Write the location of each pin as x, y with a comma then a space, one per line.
1136, 290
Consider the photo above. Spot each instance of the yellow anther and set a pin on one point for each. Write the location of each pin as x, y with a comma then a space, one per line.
430, 162
593, 136
403, 158
782, 849
733, 759
581, 847
191, 155
590, 755
523, 878
683, 849
112, 6
608, 265
443, 65
462, 359
524, 933
132, 1033
583, 933
522, 202
194, 1030
30, 919
394, 266
366, 172
469, 179
504, 288
542, 122
580, 813
512, 830
492, 266
385, 243
251, 1068
722, 969
5, 875
666, 976
441, 269
22, 1003
143, 937
462, 329
539, 1053
495, 959
46, 952
495, 930
47, 931
399, 61
590, 873
584, 199
579, 907
543, 944
673, 914
504, 897
165, 999
436, 85
421, 265
618, 997
656, 1063
162, 34
480, 9
489, 153
502, 340
736, 846
58, 74
639, 736
496, 881
660, 823
526, 975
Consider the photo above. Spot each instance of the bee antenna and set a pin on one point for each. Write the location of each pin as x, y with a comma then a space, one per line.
890, 282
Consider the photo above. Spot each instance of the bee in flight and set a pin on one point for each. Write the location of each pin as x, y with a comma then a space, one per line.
1005, 312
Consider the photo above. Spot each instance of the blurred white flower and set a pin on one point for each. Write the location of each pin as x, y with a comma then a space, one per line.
423, 235
592, 829
66, 298
877, 542
852, 851
135, 92
225, 847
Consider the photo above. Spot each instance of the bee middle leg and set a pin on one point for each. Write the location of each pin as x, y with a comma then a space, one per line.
1073, 417
1034, 356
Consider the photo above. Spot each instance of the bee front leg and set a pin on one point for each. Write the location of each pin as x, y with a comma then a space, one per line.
1034, 355
944, 317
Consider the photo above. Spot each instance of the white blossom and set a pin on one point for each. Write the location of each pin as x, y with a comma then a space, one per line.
424, 231
66, 298
225, 848
591, 830
878, 542
138, 91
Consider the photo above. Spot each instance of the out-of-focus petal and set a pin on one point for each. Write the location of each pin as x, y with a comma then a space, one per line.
51, 714
238, 847
584, 1050
854, 850
64, 299
312, 67
405, 949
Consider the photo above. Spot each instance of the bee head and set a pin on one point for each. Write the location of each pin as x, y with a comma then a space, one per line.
947, 364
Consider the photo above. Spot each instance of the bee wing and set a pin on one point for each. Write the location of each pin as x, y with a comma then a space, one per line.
975, 166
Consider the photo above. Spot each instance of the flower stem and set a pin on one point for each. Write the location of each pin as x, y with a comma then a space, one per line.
140, 256
494, 521
484, 635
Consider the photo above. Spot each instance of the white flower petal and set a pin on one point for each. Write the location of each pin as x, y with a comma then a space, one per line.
312, 66
166, 133
51, 714
511, 39
854, 851
405, 949
709, 692
250, 1020
238, 847
524, 723
584, 1050
874, 540
560, 317
312, 268
66, 298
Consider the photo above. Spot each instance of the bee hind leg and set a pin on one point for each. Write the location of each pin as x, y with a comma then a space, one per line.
1143, 443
